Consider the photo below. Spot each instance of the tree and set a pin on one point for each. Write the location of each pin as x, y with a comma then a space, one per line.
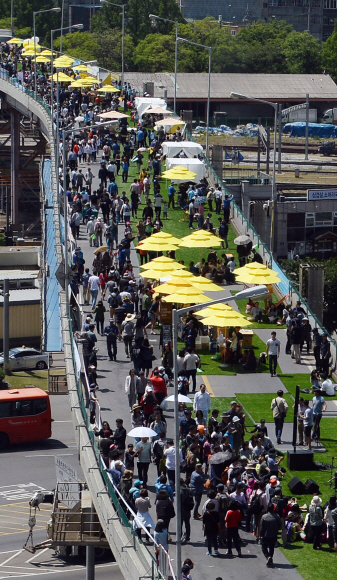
23, 17
329, 54
155, 53
303, 53
82, 45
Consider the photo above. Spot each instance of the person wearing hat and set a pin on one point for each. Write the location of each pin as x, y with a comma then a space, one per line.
93, 357
316, 521
270, 487
116, 472
128, 326
126, 485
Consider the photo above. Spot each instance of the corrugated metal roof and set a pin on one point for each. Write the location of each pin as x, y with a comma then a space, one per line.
260, 86
18, 274
23, 296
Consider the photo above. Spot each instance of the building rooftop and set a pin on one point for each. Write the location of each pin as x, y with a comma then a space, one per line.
277, 87
18, 274
24, 296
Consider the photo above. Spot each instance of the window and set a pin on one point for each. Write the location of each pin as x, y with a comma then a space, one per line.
309, 219
330, 4
233, 32
335, 218
23, 408
40, 405
296, 220
324, 218
5, 409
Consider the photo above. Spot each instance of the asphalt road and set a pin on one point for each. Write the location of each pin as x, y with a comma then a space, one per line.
25, 469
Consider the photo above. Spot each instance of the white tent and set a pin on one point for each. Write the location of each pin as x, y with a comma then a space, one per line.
192, 164
172, 148
144, 103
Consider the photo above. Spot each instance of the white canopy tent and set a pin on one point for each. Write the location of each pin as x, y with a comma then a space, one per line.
192, 164
144, 103
172, 148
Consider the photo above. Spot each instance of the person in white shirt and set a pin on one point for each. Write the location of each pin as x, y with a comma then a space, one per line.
273, 351
232, 264
170, 456
202, 401
94, 286
328, 388
91, 230
191, 362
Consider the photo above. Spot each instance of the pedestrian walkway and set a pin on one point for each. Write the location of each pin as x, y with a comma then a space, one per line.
114, 404
285, 361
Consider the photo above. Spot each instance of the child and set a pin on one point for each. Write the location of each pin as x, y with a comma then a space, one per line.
129, 458
165, 210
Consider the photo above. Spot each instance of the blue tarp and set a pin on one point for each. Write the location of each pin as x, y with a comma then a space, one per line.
323, 130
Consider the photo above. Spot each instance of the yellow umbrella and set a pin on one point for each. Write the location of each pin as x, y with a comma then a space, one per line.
31, 44
201, 235
226, 319
200, 242
42, 59
187, 296
156, 274
14, 40
108, 89
182, 275
252, 267
214, 309
30, 52
47, 53
81, 68
156, 246
179, 173
162, 261
63, 62
168, 121
260, 277
61, 78
165, 236
168, 288
205, 284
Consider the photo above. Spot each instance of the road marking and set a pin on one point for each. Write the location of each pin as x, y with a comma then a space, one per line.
62, 421
49, 571
208, 386
36, 555
11, 558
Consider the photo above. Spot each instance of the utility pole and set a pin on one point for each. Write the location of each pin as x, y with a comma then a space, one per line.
306, 127
6, 322
279, 149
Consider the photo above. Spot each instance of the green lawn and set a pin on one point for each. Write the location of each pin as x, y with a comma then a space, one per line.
258, 405
242, 308
19, 380
291, 380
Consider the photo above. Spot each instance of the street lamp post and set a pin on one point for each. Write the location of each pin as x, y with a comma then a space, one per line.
122, 6
273, 185
78, 27
155, 17
34, 27
209, 48
244, 294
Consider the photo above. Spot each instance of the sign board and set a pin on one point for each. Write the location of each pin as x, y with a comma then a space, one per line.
166, 312
167, 333
66, 477
325, 194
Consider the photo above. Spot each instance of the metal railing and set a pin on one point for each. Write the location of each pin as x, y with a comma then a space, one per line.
286, 289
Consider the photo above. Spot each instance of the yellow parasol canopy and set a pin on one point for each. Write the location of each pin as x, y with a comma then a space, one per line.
153, 245
182, 275
113, 115
260, 277
179, 173
226, 319
201, 235
47, 52
14, 40
200, 242
168, 288
214, 309
108, 89
168, 121
205, 285
42, 58
63, 62
61, 78
164, 236
30, 52
162, 261
156, 274
187, 295
252, 267
81, 68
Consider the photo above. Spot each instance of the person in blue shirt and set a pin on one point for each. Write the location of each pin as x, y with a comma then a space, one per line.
113, 188
161, 483
140, 137
318, 407
227, 207
115, 149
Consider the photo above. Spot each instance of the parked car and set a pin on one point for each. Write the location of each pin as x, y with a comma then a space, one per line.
22, 358
327, 148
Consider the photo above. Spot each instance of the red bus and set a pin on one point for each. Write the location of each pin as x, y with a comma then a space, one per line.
25, 416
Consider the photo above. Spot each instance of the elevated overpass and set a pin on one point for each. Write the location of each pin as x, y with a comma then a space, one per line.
135, 560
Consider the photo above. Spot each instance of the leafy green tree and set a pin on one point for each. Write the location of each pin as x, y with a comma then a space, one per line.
82, 45
329, 54
23, 17
155, 53
303, 53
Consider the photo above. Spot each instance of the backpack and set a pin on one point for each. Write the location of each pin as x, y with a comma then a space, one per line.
112, 300
223, 502
291, 531
187, 500
255, 505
